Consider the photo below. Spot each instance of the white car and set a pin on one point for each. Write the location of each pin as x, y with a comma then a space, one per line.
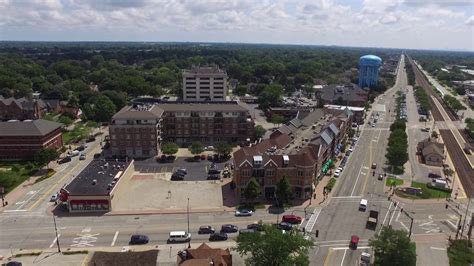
337, 173
340, 169
209, 148
243, 212
350, 149
54, 197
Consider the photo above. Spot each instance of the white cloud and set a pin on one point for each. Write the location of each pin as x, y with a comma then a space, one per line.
373, 23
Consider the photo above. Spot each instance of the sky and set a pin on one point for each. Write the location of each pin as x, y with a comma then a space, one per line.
416, 24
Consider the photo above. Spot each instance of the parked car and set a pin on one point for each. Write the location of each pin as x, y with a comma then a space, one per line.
64, 160
337, 173
97, 155
257, 227
218, 237
380, 177
213, 177
54, 197
13, 263
139, 239
179, 174
434, 175
206, 229
209, 148
175, 177
243, 212
73, 153
81, 148
90, 139
285, 226
213, 172
229, 228
291, 218
82, 156
182, 170
374, 165
246, 231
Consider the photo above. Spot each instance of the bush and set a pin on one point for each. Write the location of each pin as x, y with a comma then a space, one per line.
72, 252
331, 184
460, 253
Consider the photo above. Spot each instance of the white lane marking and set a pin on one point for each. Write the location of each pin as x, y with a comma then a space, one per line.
365, 167
312, 220
400, 212
451, 223
404, 226
347, 197
54, 241
343, 257
436, 248
349, 248
386, 214
115, 238
393, 214
32, 193
15, 211
355, 184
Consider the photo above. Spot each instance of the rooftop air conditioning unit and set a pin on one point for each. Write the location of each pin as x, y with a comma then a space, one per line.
286, 160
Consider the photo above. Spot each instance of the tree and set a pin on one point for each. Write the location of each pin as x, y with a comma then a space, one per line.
104, 109
283, 190
223, 149
351, 133
259, 132
44, 156
393, 247
273, 247
169, 148
196, 148
271, 95
66, 120
434, 134
277, 119
448, 172
252, 190
73, 102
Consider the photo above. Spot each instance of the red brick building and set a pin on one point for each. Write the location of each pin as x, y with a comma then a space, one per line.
20, 109
300, 150
21, 139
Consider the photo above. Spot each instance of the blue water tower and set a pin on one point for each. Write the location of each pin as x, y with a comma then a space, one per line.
369, 68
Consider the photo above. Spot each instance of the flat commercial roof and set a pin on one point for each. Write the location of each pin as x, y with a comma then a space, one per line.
94, 180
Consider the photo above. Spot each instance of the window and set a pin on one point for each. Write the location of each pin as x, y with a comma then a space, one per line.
270, 172
245, 172
300, 172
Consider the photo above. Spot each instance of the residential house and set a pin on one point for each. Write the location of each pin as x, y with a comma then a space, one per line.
432, 152
204, 255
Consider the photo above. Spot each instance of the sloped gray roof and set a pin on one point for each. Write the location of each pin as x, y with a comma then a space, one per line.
129, 112
334, 129
38, 127
326, 137
296, 122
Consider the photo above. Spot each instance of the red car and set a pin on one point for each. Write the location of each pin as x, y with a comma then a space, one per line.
292, 219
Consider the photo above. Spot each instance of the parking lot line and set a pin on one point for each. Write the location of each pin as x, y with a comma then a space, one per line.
115, 238
343, 257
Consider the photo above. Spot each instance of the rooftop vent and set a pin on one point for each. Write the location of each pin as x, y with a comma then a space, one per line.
94, 182
286, 160
257, 160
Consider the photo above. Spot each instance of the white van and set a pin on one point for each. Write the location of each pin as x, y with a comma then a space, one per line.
439, 183
363, 205
179, 236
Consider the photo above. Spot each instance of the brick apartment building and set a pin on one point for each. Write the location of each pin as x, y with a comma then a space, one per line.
21, 109
300, 150
204, 83
20, 140
136, 131
349, 95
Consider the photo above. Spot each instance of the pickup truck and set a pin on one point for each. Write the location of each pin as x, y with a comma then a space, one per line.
372, 221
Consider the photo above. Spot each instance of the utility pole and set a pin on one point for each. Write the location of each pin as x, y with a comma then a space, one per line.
189, 243
57, 236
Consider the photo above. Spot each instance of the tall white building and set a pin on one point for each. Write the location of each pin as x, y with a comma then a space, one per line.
204, 84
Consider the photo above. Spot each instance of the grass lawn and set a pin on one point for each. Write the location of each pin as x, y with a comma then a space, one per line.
427, 192
460, 253
393, 181
80, 131
13, 174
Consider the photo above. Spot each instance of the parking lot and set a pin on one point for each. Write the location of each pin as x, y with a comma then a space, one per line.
196, 171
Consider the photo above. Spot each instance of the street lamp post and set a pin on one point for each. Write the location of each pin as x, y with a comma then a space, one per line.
57, 236
189, 243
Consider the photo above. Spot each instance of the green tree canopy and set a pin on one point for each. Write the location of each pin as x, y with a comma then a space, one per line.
393, 248
223, 149
283, 190
169, 148
104, 109
259, 132
273, 247
196, 148
252, 190
44, 156
271, 96
277, 119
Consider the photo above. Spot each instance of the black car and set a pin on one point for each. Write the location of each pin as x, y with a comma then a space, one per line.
218, 237
257, 227
434, 175
214, 172
213, 177
97, 155
64, 160
139, 239
285, 226
90, 139
13, 263
229, 228
176, 177
206, 229
179, 173
81, 148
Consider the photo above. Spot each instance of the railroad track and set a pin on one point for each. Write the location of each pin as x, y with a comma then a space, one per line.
461, 164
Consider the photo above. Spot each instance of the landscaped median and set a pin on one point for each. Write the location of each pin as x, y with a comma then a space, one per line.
460, 253
423, 191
